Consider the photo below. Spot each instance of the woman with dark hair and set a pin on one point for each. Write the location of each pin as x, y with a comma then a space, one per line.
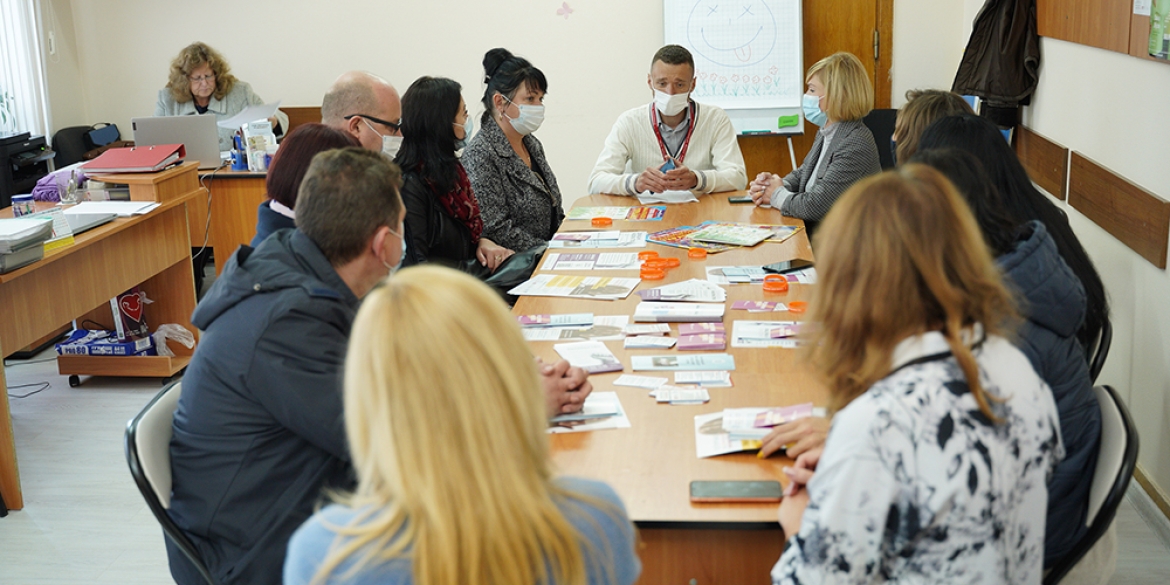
516, 189
442, 216
1023, 203
288, 169
1052, 301
201, 82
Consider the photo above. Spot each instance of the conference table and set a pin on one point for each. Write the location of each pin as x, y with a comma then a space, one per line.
152, 251
652, 463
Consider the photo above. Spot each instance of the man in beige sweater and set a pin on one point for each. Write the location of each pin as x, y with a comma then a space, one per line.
673, 143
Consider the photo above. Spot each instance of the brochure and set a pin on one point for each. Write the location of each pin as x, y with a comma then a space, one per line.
786, 414
599, 401
758, 306
638, 213
592, 356
591, 261
728, 275
584, 287
702, 341
604, 328
764, 334
655, 312
693, 290
647, 382
675, 395
714, 379
649, 342
680, 237
732, 234
646, 329
698, 361
712, 439
696, 328
562, 320
610, 239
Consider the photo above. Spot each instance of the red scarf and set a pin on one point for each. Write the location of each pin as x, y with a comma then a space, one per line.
461, 204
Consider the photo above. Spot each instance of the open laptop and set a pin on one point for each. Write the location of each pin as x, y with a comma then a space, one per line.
198, 134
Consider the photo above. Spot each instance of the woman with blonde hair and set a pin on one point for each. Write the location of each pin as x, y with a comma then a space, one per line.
839, 96
923, 106
201, 82
447, 431
936, 464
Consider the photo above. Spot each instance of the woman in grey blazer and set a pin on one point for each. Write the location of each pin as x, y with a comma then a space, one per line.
839, 96
201, 82
517, 192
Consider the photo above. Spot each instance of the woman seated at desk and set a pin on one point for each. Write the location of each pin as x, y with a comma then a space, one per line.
447, 432
513, 182
288, 169
936, 466
839, 96
442, 216
201, 82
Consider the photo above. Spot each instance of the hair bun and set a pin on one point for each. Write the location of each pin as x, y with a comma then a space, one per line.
492, 61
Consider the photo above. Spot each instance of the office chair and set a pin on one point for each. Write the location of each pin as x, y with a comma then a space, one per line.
1100, 350
1115, 464
881, 125
148, 451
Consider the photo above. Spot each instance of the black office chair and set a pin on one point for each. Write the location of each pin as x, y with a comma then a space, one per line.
148, 451
1116, 460
881, 124
1100, 350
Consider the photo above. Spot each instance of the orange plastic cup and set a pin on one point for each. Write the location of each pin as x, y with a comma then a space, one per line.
775, 283
672, 262
652, 274
659, 263
647, 255
602, 222
797, 307
696, 253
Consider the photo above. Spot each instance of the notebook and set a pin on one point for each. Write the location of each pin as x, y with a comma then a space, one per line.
198, 134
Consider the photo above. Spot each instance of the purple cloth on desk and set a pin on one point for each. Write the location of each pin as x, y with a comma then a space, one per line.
49, 186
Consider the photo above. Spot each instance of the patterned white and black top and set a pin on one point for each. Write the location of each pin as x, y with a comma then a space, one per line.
916, 485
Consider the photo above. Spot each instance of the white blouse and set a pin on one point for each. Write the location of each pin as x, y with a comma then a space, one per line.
916, 485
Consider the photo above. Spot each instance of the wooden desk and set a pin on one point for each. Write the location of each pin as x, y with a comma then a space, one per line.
151, 250
234, 197
652, 463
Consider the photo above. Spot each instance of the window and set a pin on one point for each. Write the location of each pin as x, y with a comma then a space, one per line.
24, 103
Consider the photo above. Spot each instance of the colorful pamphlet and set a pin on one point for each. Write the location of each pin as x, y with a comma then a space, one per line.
608, 239
638, 213
592, 356
680, 237
604, 328
693, 290
698, 361
702, 341
696, 328
764, 334
732, 234
758, 306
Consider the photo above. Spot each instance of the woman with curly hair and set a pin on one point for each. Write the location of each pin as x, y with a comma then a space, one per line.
201, 82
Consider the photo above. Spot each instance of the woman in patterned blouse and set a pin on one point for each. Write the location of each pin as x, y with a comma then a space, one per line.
936, 464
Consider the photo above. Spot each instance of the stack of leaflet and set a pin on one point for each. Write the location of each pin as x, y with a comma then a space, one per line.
652, 312
693, 290
22, 241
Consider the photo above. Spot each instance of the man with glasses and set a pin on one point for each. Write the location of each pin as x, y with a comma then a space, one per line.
367, 107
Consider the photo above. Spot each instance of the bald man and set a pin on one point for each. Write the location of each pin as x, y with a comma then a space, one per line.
367, 107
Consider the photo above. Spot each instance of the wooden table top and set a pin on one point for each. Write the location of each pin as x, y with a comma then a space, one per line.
652, 463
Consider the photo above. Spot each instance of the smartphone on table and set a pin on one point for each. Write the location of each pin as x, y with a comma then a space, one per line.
788, 266
735, 200
736, 491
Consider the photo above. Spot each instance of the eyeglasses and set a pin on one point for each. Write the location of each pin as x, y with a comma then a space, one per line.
391, 125
201, 78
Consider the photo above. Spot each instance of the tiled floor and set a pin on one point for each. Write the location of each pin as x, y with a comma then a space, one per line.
85, 522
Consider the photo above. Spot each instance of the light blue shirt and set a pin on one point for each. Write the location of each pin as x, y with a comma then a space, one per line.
241, 96
603, 530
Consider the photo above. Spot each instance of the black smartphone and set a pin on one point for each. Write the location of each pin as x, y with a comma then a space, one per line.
736, 491
743, 199
788, 266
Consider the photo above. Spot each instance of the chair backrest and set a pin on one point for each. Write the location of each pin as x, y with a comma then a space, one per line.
148, 452
1116, 459
881, 125
70, 144
1100, 351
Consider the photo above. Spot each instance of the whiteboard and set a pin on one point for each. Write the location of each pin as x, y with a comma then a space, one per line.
748, 57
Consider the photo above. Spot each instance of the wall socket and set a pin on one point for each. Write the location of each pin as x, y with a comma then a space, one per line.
52, 43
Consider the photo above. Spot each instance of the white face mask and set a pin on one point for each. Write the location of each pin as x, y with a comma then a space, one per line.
529, 119
390, 146
670, 105
401, 258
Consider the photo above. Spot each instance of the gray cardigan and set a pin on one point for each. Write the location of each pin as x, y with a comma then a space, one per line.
520, 210
240, 97
852, 156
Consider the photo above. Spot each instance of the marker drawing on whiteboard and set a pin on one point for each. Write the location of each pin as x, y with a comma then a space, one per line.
565, 10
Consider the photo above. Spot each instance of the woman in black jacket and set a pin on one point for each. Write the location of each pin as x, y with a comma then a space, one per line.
442, 216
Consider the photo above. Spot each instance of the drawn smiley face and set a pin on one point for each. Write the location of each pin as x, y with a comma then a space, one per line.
732, 34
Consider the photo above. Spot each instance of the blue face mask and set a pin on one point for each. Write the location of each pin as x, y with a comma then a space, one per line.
461, 143
811, 105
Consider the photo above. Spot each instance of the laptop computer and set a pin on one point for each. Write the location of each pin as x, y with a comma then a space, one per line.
81, 222
198, 134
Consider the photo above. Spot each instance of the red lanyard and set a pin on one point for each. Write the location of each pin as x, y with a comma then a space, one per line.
682, 152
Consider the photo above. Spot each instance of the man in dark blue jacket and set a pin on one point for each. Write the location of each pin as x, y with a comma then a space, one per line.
258, 431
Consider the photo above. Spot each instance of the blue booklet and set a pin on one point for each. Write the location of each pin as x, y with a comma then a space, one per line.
706, 361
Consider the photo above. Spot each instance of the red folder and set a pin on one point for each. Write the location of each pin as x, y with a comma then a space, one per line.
136, 159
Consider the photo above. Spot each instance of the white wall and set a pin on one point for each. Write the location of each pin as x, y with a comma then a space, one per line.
67, 94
